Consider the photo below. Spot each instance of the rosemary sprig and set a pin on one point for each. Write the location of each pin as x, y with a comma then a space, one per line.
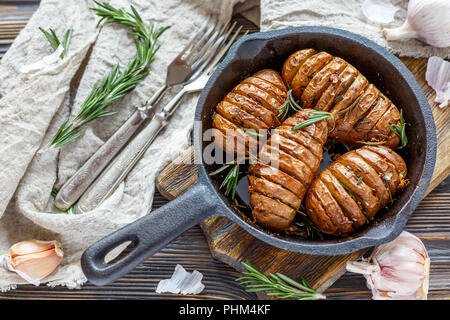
231, 179
316, 116
311, 230
53, 39
115, 84
277, 285
252, 132
288, 105
400, 130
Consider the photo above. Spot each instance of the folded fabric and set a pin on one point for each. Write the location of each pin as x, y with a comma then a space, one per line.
33, 106
343, 14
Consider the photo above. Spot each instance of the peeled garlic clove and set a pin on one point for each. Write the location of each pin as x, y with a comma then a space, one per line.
33, 260
381, 11
427, 20
438, 77
396, 270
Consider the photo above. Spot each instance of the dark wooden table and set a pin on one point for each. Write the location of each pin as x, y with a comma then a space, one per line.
431, 221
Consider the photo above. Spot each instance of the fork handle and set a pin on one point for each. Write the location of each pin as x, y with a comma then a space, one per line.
72, 190
117, 170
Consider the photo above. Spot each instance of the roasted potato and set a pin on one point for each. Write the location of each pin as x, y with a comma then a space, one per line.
252, 104
350, 192
323, 82
286, 166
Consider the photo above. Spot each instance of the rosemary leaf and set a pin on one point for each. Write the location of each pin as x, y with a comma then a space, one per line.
231, 179
277, 285
316, 116
53, 39
400, 130
116, 84
288, 105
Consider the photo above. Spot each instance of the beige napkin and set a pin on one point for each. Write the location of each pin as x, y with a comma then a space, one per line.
33, 106
343, 14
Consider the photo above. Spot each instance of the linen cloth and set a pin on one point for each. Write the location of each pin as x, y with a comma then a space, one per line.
33, 106
347, 15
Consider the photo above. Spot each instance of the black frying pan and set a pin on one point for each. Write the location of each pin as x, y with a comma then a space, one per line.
248, 55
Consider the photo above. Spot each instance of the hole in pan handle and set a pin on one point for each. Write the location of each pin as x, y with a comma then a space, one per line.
149, 234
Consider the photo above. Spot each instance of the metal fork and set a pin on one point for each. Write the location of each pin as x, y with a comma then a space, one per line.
188, 62
116, 172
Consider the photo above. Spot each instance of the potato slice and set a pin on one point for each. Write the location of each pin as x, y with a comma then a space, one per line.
367, 101
307, 71
346, 202
287, 164
358, 189
332, 208
294, 62
336, 89
392, 156
262, 97
368, 175
276, 92
296, 150
239, 117
271, 213
277, 176
318, 215
271, 76
320, 82
365, 125
385, 169
273, 190
250, 106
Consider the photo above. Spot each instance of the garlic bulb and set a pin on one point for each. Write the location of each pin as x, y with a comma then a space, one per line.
34, 259
438, 77
397, 270
427, 20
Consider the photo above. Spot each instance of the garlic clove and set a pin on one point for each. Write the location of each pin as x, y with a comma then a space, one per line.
427, 20
438, 77
31, 246
396, 270
33, 260
381, 11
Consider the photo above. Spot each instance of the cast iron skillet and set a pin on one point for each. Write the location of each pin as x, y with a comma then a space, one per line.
248, 55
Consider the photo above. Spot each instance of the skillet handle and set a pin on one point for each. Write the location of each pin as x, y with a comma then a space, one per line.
149, 234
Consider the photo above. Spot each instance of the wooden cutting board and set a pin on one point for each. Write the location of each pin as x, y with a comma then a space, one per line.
232, 245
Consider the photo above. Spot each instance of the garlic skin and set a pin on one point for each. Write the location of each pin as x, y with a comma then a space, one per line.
427, 20
33, 260
44, 62
381, 11
398, 270
438, 77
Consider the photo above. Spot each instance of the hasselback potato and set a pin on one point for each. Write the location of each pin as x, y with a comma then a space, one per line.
286, 166
252, 104
324, 82
349, 193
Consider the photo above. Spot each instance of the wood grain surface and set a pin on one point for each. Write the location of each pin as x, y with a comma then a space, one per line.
430, 221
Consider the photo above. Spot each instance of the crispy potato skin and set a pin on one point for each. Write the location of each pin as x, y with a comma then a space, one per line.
252, 104
350, 192
328, 83
286, 166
